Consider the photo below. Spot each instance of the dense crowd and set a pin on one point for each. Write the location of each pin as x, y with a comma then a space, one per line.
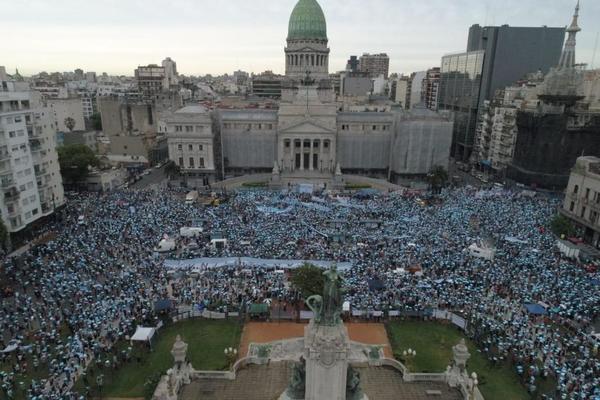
70, 300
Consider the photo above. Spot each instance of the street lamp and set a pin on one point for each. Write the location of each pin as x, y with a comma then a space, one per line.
409, 356
230, 355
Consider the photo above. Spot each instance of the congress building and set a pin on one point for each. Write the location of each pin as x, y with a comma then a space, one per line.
309, 135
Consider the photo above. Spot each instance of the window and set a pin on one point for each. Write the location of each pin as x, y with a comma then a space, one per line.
587, 193
576, 189
12, 134
181, 162
191, 162
374, 127
201, 162
179, 147
18, 119
199, 128
345, 127
326, 144
22, 188
583, 209
189, 128
572, 206
190, 147
200, 147
178, 128
286, 143
34, 211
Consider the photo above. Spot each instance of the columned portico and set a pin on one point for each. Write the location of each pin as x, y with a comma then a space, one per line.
306, 153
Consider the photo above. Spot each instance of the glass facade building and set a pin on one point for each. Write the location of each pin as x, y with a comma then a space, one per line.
496, 57
459, 92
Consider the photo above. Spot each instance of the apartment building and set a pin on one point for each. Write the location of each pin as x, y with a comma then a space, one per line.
30, 180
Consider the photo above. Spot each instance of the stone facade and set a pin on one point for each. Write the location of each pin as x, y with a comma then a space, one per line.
582, 200
191, 143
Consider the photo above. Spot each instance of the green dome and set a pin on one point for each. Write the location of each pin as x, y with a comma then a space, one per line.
307, 21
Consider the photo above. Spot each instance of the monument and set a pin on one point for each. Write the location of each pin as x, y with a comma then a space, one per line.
324, 371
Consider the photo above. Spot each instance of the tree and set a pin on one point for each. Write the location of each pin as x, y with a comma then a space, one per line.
437, 178
74, 160
308, 280
561, 225
172, 170
70, 123
3, 235
96, 121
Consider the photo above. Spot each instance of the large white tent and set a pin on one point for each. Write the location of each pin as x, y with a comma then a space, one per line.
143, 334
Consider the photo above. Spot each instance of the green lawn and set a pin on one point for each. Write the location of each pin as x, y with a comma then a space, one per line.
433, 343
206, 341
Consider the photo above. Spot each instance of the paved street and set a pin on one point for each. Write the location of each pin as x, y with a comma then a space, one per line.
156, 177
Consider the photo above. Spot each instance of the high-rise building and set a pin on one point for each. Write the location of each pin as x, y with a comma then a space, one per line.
496, 57
241, 77
353, 64
150, 79
430, 89
416, 88
401, 91
78, 75
90, 77
375, 64
171, 75
30, 178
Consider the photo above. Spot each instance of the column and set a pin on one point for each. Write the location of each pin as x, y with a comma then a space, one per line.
310, 156
301, 154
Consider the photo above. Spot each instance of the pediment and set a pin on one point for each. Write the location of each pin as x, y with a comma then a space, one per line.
306, 127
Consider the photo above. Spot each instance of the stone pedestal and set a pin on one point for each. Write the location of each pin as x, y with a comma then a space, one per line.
326, 350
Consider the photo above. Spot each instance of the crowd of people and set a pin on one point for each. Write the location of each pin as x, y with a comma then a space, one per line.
73, 298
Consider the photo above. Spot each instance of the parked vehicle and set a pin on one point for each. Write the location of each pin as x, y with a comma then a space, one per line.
191, 197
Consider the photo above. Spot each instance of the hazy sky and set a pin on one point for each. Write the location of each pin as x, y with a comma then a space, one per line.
218, 36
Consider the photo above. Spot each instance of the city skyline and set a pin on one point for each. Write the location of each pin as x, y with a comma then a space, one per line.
228, 39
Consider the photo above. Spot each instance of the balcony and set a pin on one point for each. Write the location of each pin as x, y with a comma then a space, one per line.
7, 183
40, 171
46, 208
11, 194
